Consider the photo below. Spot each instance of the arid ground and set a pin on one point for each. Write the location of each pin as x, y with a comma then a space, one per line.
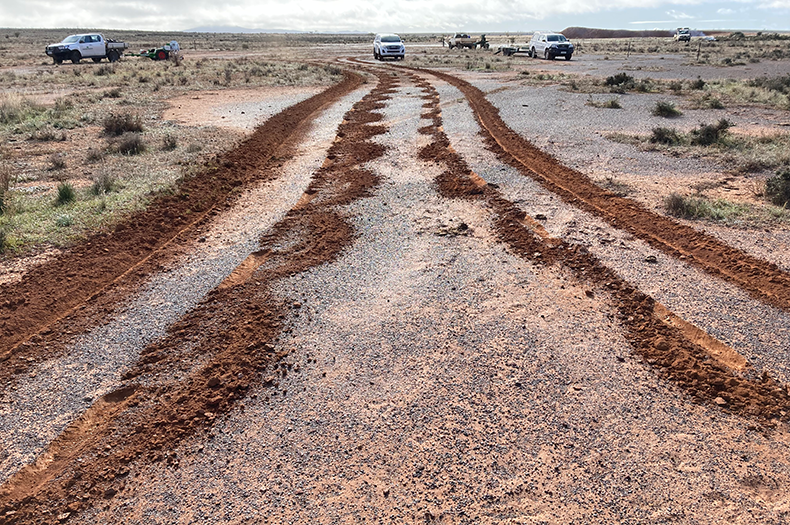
282, 282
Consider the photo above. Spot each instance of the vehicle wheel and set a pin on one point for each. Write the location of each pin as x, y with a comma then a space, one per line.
113, 56
161, 55
96, 59
485, 46
57, 60
546, 54
75, 57
567, 57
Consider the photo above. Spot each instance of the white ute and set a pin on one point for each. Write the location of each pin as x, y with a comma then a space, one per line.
89, 45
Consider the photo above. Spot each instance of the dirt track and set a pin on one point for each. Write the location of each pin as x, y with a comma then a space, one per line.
235, 348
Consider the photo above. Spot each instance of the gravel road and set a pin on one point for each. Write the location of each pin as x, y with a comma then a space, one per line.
441, 378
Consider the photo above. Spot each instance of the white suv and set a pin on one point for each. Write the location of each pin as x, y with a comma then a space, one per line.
550, 46
388, 45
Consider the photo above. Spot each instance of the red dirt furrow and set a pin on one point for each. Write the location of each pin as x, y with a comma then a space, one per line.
221, 349
664, 346
761, 279
51, 291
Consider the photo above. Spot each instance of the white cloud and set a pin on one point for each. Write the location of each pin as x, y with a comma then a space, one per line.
329, 15
677, 15
726, 11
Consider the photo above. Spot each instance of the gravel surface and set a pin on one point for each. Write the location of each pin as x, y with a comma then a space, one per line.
30, 417
438, 377
760, 333
574, 133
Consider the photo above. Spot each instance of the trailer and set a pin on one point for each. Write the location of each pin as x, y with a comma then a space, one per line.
88, 45
159, 53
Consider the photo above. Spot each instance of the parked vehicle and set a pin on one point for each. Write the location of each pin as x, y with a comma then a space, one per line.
550, 45
461, 40
89, 45
388, 46
683, 34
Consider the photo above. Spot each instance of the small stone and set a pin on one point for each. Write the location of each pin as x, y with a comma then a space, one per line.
297, 305
109, 493
202, 239
61, 517
540, 217
720, 401
662, 345
652, 259
213, 382
589, 293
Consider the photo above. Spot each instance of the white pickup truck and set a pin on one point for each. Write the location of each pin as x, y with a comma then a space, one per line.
89, 45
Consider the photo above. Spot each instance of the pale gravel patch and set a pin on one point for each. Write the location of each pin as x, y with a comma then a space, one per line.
757, 331
39, 406
443, 376
560, 123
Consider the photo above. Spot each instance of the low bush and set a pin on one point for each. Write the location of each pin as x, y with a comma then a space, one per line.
665, 136
169, 143
103, 183
3, 241
701, 208
666, 110
57, 162
131, 144
777, 188
698, 84
619, 79
118, 124
709, 134
66, 194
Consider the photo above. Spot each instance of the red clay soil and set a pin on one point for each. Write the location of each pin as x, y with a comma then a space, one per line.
664, 346
213, 357
762, 280
54, 290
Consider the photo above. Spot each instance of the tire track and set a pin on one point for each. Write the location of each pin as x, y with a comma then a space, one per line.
706, 368
762, 280
213, 357
56, 289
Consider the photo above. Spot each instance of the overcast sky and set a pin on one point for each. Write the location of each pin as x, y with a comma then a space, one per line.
404, 16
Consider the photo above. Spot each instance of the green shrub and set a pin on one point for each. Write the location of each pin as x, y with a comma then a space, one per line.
777, 188
665, 136
666, 109
118, 124
66, 194
709, 134
701, 208
64, 221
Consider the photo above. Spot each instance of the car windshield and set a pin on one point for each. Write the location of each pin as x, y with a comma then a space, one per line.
71, 39
390, 38
557, 38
